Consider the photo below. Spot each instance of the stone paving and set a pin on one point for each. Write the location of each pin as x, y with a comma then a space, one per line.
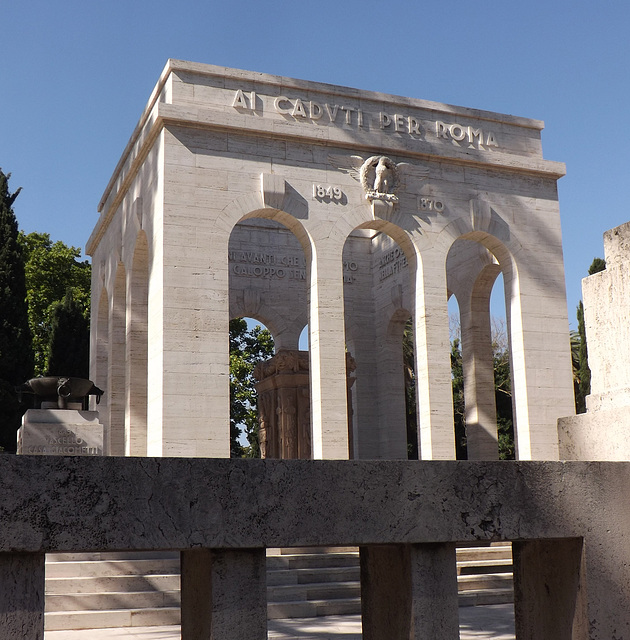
494, 622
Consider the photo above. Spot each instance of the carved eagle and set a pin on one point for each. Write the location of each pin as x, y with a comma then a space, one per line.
377, 174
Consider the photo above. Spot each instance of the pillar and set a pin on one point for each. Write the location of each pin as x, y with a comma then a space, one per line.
436, 437
550, 590
224, 594
22, 596
478, 367
329, 408
409, 592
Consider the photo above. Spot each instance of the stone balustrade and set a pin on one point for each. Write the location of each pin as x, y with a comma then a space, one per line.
568, 523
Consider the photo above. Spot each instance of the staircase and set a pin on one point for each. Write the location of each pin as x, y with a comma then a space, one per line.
92, 591
98, 591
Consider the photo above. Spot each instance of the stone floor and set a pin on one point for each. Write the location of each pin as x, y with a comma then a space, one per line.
494, 622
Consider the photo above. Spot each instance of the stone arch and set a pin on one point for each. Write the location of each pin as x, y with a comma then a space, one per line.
378, 296
531, 345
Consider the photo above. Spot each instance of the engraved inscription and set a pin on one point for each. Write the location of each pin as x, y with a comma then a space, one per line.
430, 204
271, 266
326, 192
457, 133
392, 262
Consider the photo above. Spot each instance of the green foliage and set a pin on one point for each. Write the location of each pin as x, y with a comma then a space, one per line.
503, 399
502, 388
598, 264
16, 356
457, 380
69, 349
410, 391
581, 370
52, 269
247, 348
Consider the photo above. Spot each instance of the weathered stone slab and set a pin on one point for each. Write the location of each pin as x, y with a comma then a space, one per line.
60, 432
109, 504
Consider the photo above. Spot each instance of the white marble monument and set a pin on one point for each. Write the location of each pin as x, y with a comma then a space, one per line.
299, 203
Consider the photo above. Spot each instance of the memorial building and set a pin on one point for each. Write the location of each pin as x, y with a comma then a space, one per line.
349, 212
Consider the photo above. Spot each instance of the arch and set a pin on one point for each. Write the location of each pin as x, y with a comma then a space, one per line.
136, 357
379, 275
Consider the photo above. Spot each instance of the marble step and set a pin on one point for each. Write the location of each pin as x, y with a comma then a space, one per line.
312, 575
102, 584
116, 618
112, 600
313, 608
93, 568
314, 592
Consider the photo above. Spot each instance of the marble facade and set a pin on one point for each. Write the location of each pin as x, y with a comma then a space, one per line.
299, 203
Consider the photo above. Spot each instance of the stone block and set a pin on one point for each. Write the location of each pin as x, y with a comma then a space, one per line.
60, 432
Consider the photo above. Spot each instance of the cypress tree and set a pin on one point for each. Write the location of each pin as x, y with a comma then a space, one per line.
69, 350
16, 355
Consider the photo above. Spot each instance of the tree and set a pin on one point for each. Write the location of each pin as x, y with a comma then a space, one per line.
52, 269
69, 348
579, 350
16, 356
247, 348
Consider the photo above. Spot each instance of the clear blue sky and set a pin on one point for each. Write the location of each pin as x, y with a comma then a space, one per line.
75, 76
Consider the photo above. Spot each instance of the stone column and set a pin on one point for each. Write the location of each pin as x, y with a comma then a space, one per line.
436, 437
478, 367
224, 594
329, 408
22, 596
549, 590
541, 354
409, 592
114, 444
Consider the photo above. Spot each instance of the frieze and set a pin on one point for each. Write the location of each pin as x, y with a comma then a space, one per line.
344, 115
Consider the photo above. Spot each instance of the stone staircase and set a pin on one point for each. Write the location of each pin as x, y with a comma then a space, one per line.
90, 591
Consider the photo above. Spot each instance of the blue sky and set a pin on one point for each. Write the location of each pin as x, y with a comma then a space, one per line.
75, 76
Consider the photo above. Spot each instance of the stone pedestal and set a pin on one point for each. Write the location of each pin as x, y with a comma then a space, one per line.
284, 405
60, 432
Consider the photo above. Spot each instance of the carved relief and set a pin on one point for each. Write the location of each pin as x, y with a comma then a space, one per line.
284, 404
379, 176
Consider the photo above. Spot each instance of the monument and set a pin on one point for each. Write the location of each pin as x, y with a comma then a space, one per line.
350, 212
603, 432
60, 423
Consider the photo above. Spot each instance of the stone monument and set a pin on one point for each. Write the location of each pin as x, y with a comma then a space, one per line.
603, 432
59, 425
351, 212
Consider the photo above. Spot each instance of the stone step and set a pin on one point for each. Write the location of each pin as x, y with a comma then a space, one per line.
92, 568
111, 555
314, 592
313, 608
485, 596
484, 581
500, 565
112, 600
475, 554
105, 619
309, 576
110, 584
313, 560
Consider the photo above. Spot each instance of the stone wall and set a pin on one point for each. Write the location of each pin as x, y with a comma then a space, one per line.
568, 523
603, 432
